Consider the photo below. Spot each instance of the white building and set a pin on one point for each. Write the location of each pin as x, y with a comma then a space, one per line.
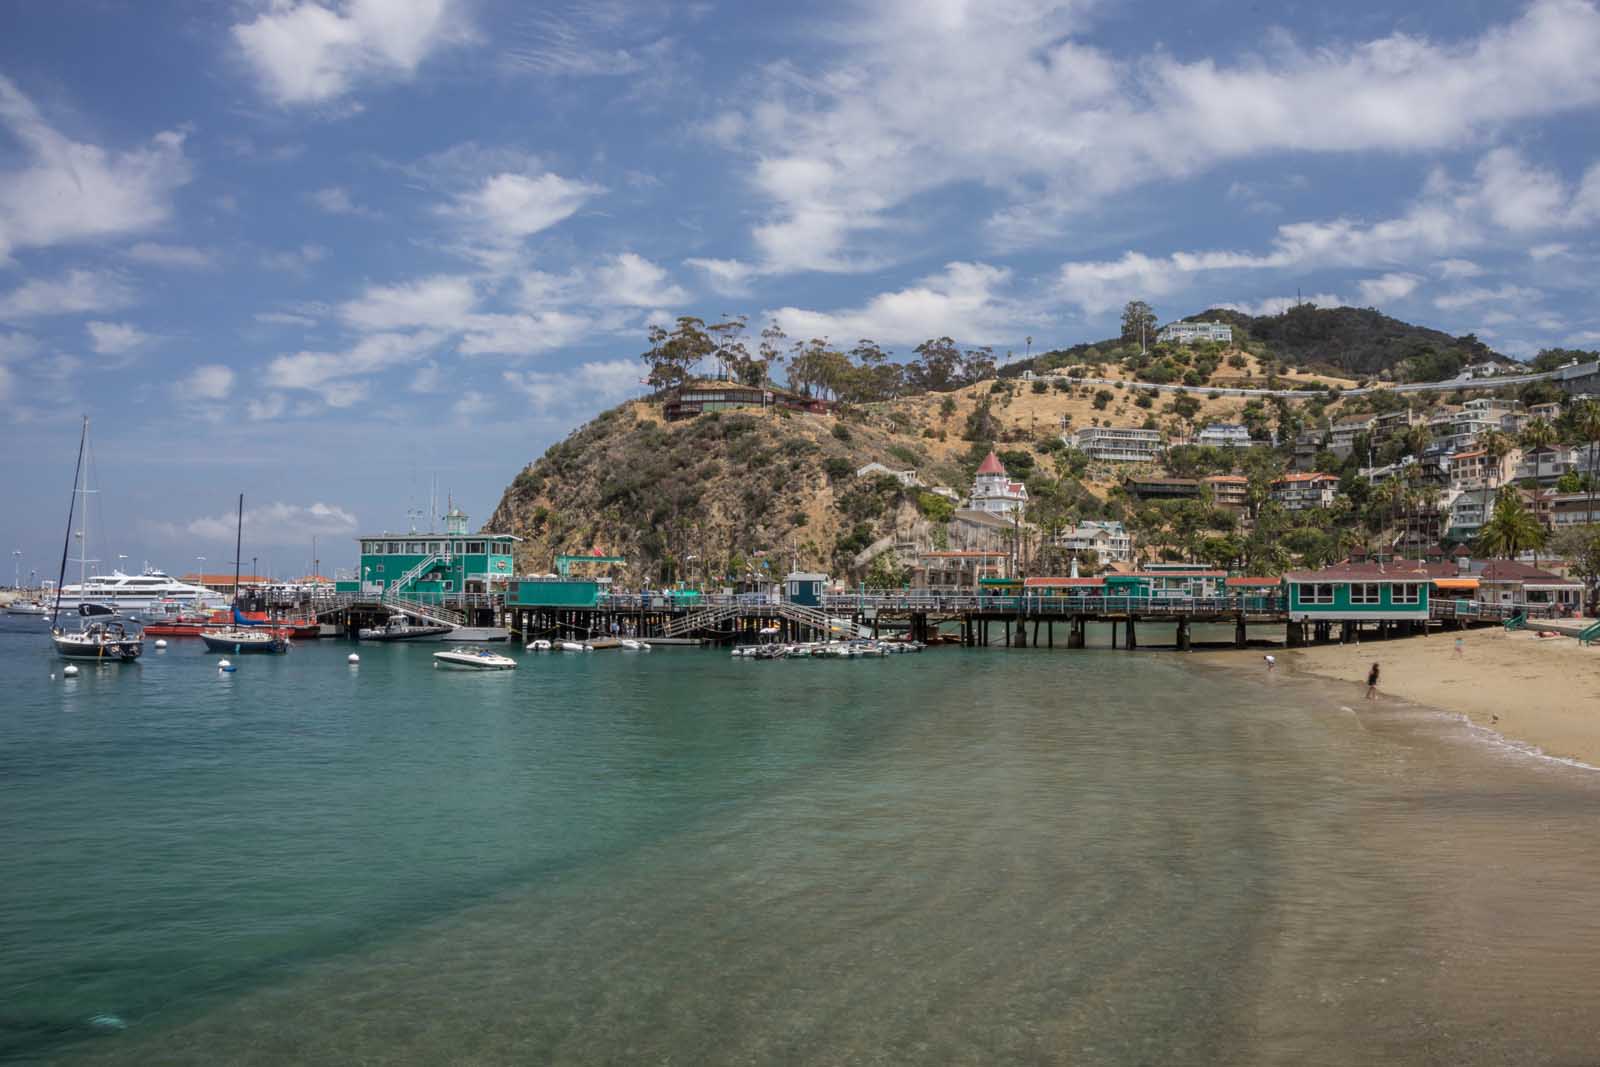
1119, 444
994, 492
1342, 438
1109, 541
1224, 435
1188, 333
906, 477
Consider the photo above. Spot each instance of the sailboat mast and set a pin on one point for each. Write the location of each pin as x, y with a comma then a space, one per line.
238, 549
61, 576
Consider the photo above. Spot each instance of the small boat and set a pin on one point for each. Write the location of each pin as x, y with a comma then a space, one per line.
633, 644
573, 646
474, 659
102, 636
240, 640
541, 645
104, 642
26, 607
401, 628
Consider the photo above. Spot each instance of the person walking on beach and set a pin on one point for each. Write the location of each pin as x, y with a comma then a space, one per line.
1460, 646
1272, 663
1372, 683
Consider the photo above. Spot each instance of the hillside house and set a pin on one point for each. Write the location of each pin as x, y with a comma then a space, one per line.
1546, 465
1231, 491
1151, 488
1117, 444
1223, 435
1189, 333
1108, 542
907, 477
1342, 437
994, 491
1299, 492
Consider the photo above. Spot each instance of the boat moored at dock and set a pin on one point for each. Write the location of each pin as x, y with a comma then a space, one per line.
402, 628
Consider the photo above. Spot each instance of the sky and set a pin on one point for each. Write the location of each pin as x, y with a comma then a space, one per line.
332, 253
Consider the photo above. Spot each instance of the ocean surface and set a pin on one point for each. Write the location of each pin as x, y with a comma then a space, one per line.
969, 856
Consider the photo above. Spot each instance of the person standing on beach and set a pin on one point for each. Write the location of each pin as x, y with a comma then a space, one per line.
1272, 663
1460, 645
1372, 683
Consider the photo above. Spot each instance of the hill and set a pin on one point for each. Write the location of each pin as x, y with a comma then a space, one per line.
1345, 341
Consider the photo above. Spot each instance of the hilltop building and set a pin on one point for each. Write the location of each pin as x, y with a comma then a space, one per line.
1224, 435
994, 492
1188, 333
1117, 444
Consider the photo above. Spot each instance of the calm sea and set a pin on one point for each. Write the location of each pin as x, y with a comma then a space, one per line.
973, 856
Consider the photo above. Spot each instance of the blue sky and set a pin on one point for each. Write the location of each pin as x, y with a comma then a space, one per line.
327, 251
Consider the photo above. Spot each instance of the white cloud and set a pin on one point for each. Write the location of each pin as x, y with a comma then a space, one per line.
921, 98
1387, 288
1277, 305
522, 334
284, 318
310, 53
471, 404
595, 384
212, 381
272, 524
504, 210
267, 408
375, 352
74, 292
964, 301
1457, 268
111, 338
443, 300
631, 280
1480, 297
336, 200
161, 255
295, 260
68, 191
1552, 250
729, 277
427, 379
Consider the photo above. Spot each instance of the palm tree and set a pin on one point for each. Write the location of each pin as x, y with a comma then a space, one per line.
1538, 434
1587, 422
1512, 528
1498, 445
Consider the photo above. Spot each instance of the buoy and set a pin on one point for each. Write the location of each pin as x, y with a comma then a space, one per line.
69, 671
224, 666
352, 658
161, 642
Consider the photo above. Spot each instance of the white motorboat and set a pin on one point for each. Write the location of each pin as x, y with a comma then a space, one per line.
573, 646
633, 644
474, 659
138, 593
26, 607
402, 628
541, 645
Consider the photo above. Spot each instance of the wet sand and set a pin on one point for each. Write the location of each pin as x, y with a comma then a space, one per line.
1541, 692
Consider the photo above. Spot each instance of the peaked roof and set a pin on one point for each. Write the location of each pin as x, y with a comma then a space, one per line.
991, 465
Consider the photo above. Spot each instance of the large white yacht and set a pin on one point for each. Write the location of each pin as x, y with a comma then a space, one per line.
130, 593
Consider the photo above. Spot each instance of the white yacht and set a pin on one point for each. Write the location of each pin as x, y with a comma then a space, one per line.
131, 593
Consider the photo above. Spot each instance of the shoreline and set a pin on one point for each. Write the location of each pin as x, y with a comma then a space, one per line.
1541, 694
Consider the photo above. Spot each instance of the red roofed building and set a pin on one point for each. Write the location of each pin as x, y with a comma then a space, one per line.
994, 492
1297, 492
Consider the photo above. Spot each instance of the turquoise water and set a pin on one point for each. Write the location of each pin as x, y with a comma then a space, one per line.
965, 856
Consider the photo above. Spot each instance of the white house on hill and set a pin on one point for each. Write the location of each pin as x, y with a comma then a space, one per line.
994, 492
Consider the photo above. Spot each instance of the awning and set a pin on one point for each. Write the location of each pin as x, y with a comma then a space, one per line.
1465, 585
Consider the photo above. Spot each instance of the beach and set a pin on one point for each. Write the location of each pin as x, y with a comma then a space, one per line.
1541, 692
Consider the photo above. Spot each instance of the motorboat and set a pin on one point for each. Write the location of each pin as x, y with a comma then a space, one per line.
573, 646
633, 644
26, 607
402, 628
138, 593
107, 640
541, 645
474, 659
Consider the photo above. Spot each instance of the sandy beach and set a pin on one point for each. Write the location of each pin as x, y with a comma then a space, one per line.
1543, 692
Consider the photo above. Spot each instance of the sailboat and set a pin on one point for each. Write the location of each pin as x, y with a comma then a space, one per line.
101, 636
245, 635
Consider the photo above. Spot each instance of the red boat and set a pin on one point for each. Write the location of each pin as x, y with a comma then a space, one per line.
191, 625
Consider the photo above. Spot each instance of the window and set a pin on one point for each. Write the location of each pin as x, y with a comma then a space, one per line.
449, 585
394, 548
1316, 594
1406, 593
372, 548
1365, 592
475, 547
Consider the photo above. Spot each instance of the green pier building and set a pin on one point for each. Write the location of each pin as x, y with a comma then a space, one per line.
434, 568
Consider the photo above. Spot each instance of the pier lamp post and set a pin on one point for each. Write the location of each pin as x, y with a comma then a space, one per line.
200, 570
16, 567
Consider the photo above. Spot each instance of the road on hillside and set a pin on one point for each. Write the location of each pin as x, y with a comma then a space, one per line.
1306, 394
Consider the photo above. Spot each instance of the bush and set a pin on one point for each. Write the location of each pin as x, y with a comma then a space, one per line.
1041, 387
841, 431
947, 406
837, 467
935, 507
1103, 398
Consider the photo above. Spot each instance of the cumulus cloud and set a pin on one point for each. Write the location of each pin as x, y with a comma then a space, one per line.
313, 53
964, 301
594, 384
336, 200
1277, 305
633, 281
272, 525
729, 277
67, 191
1388, 288
213, 381
442, 300
75, 292
295, 260
321, 371
161, 255
113, 338
917, 95
499, 213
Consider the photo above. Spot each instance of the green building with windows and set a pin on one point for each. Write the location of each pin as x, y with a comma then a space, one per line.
434, 567
1360, 592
